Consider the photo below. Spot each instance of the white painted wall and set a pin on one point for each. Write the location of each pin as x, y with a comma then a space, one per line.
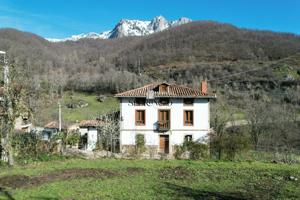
177, 130
91, 136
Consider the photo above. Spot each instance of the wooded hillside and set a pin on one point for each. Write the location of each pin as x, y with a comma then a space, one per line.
220, 53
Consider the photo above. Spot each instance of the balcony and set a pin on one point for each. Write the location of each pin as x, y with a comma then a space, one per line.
163, 125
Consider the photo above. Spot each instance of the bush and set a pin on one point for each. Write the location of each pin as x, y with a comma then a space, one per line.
179, 151
192, 150
29, 147
140, 143
227, 146
25, 145
73, 139
197, 150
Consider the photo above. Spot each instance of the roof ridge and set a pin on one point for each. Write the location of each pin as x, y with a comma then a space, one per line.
174, 91
187, 87
145, 86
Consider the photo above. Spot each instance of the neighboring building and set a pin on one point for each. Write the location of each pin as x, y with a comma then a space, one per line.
23, 125
50, 130
88, 130
166, 114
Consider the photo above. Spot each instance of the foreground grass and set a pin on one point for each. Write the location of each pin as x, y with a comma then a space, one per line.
155, 179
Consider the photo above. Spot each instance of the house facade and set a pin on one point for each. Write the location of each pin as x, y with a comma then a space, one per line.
165, 114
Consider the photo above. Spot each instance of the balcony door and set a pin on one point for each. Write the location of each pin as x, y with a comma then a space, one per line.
164, 119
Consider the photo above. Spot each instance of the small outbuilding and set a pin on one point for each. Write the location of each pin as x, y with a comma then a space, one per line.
50, 130
89, 133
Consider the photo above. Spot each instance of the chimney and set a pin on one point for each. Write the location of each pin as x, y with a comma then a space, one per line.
204, 88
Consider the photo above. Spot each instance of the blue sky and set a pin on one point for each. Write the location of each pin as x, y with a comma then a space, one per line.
62, 18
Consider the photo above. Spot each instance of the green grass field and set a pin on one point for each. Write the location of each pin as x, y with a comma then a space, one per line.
149, 179
93, 110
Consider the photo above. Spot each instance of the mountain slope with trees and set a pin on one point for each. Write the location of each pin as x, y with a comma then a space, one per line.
186, 54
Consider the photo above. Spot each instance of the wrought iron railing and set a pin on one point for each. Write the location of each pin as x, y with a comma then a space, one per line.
163, 125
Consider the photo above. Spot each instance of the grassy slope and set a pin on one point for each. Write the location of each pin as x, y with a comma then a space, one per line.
164, 180
93, 109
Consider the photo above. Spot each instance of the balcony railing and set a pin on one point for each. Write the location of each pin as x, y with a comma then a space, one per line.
163, 125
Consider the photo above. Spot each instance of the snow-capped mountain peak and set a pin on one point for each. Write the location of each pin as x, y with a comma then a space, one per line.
130, 28
180, 21
127, 27
159, 24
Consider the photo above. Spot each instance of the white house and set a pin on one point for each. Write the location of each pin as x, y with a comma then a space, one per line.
88, 130
166, 114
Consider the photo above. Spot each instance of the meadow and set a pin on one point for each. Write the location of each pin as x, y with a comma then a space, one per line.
91, 108
72, 178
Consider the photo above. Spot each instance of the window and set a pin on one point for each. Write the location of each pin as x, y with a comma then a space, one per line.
188, 118
140, 101
188, 138
140, 117
164, 101
188, 101
163, 88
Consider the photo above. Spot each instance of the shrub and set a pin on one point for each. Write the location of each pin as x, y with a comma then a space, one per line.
179, 150
197, 150
192, 150
140, 143
29, 147
232, 142
73, 138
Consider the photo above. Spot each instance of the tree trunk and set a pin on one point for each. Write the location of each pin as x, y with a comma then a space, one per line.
8, 139
10, 152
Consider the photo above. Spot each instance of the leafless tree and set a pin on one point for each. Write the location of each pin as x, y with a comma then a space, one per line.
257, 118
220, 117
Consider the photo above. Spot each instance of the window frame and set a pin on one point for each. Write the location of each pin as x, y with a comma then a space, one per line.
188, 136
184, 118
136, 117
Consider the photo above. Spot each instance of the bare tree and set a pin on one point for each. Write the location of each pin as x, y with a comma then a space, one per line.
257, 119
109, 132
12, 108
220, 117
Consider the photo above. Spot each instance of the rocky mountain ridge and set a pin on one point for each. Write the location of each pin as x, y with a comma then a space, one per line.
127, 27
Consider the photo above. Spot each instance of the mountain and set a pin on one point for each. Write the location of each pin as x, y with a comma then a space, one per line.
128, 27
185, 54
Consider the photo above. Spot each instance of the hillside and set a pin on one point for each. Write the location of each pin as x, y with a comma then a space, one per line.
185, 54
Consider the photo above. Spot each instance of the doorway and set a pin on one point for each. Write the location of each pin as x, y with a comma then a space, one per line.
164, 144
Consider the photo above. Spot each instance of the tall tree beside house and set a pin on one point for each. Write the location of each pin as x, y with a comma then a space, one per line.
12, 107
109, 131
257, 119
219, 118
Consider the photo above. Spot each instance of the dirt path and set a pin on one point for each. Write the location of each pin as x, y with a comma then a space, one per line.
22, 181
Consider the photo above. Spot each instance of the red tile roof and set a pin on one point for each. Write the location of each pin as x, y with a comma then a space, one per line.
172, 91
89, 123
53, 124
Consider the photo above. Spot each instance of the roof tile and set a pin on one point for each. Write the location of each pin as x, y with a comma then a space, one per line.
173, 91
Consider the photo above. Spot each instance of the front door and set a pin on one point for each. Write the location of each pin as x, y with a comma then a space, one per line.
164, 144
